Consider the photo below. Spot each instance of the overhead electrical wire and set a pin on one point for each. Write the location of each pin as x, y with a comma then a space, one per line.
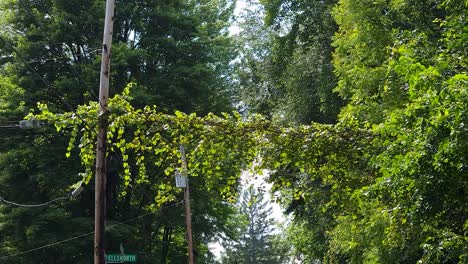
49, 86
71, 195
46, 246
34, 205
19, 137
8, 126
7, 42
63, 58
84, 235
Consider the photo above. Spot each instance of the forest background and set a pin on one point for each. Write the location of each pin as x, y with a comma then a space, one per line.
362, 104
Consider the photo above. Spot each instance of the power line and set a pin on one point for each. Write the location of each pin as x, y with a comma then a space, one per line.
8, 126
10, 121
49, 86
63, 58
25, 62
34, 205
7, 29
52, 58
71, 195
46, 246
90, 51
20, 137
82, 235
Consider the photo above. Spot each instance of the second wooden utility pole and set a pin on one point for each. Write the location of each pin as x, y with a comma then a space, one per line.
188, 213
100, 177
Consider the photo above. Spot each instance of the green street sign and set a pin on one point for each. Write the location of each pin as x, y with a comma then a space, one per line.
120, 258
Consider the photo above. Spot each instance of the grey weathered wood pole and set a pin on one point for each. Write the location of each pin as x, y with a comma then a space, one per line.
100, 178
188, 213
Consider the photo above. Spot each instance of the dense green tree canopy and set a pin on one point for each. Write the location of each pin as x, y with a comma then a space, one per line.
398, 195
403, 71
286, 70
177, 51
383, 181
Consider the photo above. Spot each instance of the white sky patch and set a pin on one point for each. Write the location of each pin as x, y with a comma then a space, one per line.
259, 182
240, 6
234, 29
217, 249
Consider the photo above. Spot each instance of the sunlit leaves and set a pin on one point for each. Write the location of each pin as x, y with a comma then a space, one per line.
11, 103
146, 139
398, 62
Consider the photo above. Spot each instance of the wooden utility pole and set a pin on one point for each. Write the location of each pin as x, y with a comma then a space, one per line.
188, 213
100, 178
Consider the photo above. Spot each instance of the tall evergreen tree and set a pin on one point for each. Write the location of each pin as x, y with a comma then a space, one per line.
255, 243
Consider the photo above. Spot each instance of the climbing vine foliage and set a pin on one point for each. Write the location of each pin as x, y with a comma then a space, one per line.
146, 141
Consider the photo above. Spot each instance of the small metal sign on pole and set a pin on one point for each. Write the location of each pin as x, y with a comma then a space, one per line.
180, 180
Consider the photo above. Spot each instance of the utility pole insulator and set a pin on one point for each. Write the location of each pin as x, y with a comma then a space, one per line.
29, 124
